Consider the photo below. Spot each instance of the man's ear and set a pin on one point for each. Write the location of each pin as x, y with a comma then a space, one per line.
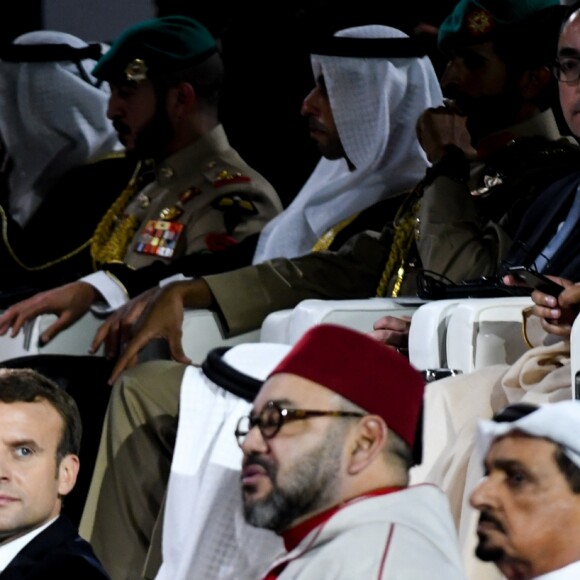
181, 98
534, 82
68, 470
367, 442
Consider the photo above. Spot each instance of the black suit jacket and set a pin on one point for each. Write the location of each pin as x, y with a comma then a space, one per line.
540, 223
57, 552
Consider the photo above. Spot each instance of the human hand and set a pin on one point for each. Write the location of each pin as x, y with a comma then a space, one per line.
557, 314
439, 127
69, 302
392, 331
117, 328
162, 317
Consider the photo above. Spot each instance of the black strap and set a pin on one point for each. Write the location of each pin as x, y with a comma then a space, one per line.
223, 375
371, 47
49, 53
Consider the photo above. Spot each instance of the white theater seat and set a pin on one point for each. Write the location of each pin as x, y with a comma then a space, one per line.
287, 326
428, 334
75, 340
202, 332
486, 331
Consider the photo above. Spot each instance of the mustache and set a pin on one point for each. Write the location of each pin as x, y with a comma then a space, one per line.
314, 125
120, 127
255, 459
486, 517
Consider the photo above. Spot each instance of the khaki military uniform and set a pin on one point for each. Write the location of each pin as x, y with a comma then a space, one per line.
202, 198
452, 239
455, 238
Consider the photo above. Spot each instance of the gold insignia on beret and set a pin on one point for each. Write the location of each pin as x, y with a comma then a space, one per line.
136, 70
479, 22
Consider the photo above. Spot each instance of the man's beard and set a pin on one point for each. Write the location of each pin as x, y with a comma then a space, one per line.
152, 140
486, 115
483, 551
311, 487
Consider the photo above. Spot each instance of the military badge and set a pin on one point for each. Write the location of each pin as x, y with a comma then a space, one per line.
172, 213
136, 70
489, 181
234, 208
479, 22
159, 238
236, 203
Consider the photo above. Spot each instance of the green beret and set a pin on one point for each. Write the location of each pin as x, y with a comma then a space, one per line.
474, 22
154, 48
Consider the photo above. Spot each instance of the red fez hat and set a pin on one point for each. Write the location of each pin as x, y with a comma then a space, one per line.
362, 370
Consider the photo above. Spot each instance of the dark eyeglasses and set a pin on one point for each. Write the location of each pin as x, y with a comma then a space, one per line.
567, 69
273, 416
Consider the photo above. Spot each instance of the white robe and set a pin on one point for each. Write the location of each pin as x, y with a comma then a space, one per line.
204, 531
406, 535
375, 103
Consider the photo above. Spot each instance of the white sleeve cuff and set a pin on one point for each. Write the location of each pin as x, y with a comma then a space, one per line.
111, 289
174, 278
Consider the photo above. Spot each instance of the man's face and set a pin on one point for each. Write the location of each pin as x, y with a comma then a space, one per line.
296, 473
141, 121
30, 479
569, 55
316, 107
477, 79
530, 518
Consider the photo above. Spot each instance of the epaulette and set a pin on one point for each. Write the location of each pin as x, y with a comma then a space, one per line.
226, 177
234, 207
235, 202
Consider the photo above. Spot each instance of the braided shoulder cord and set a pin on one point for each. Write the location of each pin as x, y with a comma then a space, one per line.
115, 230
404, 225
44, 266
326, 239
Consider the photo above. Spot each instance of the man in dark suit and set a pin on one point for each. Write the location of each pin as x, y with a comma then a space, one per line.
40, 433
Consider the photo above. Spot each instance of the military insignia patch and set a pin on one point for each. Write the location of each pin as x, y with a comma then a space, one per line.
159, 238
217, 242
235, 203
479, 22
171, 213
226, 178
136, 70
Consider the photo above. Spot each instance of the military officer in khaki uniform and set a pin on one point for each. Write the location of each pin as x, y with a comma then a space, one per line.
191, 191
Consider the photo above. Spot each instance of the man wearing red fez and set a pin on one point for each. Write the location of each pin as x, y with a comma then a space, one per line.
327, 450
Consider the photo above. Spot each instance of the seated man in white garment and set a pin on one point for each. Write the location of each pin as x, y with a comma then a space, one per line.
362, 115
327, 450
529, 499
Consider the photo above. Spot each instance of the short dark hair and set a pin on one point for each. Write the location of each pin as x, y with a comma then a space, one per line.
206, 77
530, 44
25, 385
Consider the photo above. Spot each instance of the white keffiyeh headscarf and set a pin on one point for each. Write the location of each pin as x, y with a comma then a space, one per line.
51, 120
375, 104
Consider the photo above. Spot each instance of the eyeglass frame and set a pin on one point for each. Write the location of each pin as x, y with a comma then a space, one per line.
556, 70
285, 416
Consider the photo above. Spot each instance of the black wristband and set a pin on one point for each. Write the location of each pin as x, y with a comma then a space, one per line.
453, 165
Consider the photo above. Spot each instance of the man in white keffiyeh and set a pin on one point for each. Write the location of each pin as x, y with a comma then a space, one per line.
52, 116
375, 103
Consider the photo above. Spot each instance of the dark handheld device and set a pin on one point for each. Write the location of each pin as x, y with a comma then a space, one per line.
536, 280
